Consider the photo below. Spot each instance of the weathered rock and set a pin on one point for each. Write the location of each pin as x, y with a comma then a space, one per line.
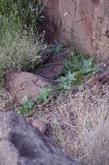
84, 23
54, 66
24, 85
21, 144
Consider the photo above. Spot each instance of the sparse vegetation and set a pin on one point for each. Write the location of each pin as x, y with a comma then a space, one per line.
26, 107
65, 82
45, 93
18, 53
75, 68
20, 48
55, 47
79, 123
77, 62
29, 13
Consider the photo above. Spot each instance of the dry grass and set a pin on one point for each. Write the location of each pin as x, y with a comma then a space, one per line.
80, 125
5, 100
19, 52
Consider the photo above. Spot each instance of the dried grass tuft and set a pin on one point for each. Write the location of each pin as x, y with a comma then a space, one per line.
80, 125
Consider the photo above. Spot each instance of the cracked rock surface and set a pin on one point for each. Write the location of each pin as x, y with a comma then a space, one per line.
82, 22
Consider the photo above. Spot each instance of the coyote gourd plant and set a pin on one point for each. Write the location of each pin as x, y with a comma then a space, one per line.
79, 63
75, 68
65, 82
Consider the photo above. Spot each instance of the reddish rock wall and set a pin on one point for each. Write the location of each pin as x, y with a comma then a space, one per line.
84, 23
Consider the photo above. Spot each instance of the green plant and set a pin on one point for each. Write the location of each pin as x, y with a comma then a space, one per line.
79, 63
75, 68
7, 7
26, 107
28, 12
9, 25
45, 93
55, 47
66, 81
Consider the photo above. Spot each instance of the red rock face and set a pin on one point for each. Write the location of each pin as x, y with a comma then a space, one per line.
24, 85
84, 23
96, 2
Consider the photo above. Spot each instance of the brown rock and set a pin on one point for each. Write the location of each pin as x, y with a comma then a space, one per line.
83, 23
54, 66
21, 144
24, 85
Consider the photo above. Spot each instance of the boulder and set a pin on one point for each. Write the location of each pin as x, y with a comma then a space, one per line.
54, 66
83, 23
21, 144
24, 85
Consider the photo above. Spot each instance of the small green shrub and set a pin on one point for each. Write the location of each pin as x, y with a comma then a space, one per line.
55, 47
75, 68
7, 7
26, 107
79, 63
66, 81
28, 12
45, 93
